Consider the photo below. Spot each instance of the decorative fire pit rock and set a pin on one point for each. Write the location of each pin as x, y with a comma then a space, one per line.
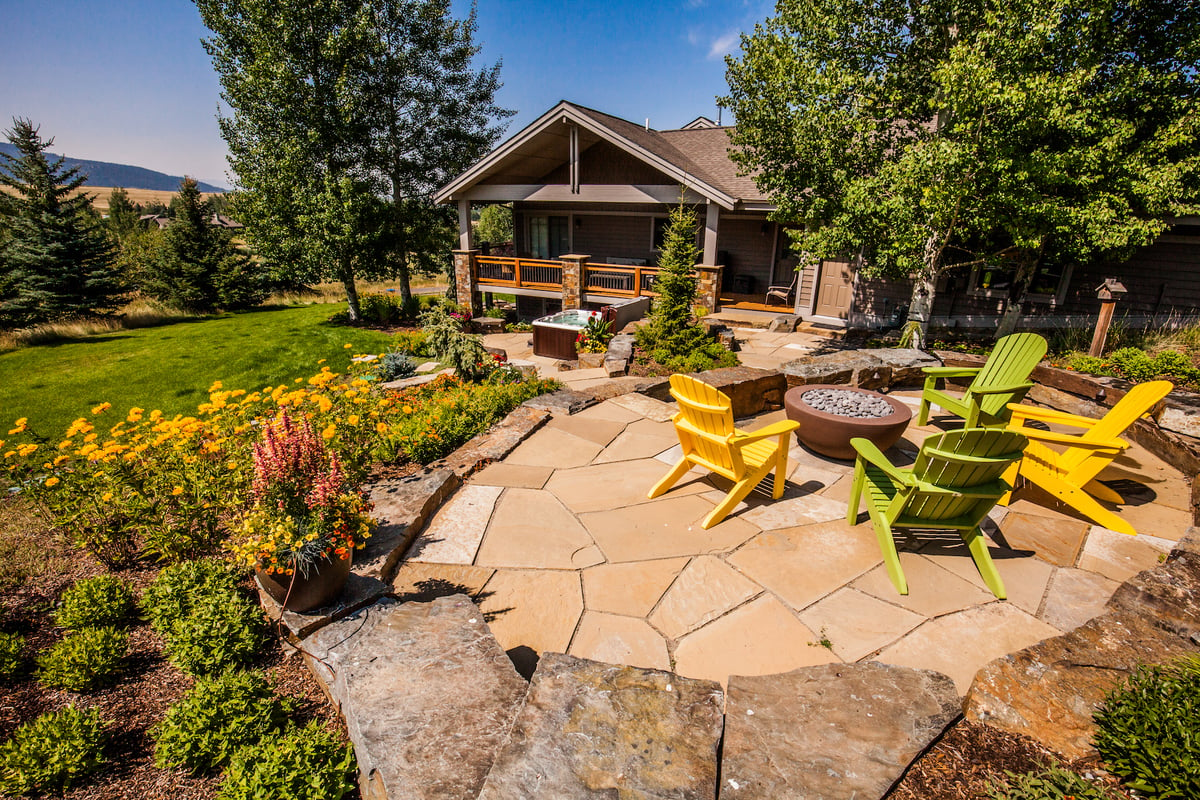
830, 416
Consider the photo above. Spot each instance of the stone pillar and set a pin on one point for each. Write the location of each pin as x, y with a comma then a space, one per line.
708, 286
572, 280
466, 280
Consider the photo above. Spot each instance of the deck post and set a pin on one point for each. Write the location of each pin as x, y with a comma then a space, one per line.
573, 267
466, 280
708, 286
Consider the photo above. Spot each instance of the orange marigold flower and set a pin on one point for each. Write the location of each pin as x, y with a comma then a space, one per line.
51, 482
178, 490
100, 409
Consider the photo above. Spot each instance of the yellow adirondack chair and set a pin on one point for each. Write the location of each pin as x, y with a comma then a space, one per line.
1070, 474
704, 425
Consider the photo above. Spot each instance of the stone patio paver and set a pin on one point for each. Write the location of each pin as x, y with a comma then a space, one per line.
669, 527
802, 565
609, 411
704, 590
642, 439
1025, 576
1055, 539
419, 581
454, 533
616, 485
793, 512
550, 447
959, 644
760, 638
511, 541
858, 624
514, 475
1119, 556
600, 431
632, 589
647, 407
1075, 596
619, 640
932, 591
542, 626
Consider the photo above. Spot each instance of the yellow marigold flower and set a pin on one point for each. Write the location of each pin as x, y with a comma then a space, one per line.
104, 498
328, 432
51, 482
407, 409
100, 409
58, 460
381, 428
64, 444
323, 403
178, 490
322, 361
352, 419
216, 387
347, 346
135, 415
155, 415
298, 380
91, 437
26, 449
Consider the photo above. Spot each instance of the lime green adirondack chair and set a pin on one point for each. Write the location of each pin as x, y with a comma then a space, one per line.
1002, 380
952, 486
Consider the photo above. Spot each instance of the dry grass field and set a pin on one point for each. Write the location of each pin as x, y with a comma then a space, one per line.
141, 196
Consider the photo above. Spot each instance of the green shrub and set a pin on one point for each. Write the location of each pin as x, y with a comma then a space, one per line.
52, 752
172, 594
386, 308
102, 601
12, 657
223, 631
1148, 731
308, 763
84, 661
1134, 364
415, 343
394, 366
1051, 783
450, 345
217, 717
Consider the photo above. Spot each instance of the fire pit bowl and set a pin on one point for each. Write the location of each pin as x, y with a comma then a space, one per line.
829, 431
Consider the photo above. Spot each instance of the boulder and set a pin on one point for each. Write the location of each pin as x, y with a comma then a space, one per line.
591, 360
615, 368
1168, 595
852, 367
784, 322
427, 693
594, 730
830, 731
402, 507
751, 390
564, 401
415, 380
1049, 691
494, 443
906, 365
620, 347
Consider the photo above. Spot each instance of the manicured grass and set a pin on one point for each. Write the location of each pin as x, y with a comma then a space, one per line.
171, 367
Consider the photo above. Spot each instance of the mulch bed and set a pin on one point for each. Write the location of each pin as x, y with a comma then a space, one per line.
140, 698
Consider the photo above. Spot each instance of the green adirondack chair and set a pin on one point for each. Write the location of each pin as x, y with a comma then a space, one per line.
952, 486
1003, 379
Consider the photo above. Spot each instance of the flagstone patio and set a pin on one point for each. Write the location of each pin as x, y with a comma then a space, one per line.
564, 553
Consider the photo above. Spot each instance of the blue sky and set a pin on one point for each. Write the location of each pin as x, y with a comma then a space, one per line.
128, 81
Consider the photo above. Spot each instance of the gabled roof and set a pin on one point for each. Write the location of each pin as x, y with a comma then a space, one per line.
696, 157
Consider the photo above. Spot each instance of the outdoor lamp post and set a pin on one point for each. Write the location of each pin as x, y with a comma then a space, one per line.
1108, 293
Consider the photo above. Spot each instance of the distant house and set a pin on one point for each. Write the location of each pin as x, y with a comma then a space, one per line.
585, 183
161, 221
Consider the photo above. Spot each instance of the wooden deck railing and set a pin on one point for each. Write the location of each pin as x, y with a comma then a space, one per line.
604, 279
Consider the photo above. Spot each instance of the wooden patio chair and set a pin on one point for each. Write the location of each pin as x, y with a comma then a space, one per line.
1069, 474
784, 293
704, 425
954, 482
1002, 380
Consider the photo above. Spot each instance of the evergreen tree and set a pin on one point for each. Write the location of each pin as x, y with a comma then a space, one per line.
122, 215
198, 267
56, 260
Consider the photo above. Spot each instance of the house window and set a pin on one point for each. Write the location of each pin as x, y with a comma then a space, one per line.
549, 237
992, 280
659, 233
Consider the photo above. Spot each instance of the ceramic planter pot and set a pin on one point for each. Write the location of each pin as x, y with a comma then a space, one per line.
320, 587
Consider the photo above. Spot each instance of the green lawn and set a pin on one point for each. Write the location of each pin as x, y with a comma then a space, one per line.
171, 367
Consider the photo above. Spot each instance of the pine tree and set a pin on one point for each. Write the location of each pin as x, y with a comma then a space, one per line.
122, 215
56, 261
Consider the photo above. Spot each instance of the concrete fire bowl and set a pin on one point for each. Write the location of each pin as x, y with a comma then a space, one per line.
830, 434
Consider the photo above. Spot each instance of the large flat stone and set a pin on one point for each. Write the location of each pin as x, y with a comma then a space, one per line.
402, 507
1168, 595
932, 591
554, 448
855, 367
1055, 539
906, 365
1075, 596
750, 390
856, 624
648, 407
833, 731
554, 540
532, 612
515, 475
704, 590
593, 730
795, 511
424, 582
1049, 691
564, 401
632, 589
666, 527
427, 694
617, 639
600, 431
454, 533
613, 485
641, 439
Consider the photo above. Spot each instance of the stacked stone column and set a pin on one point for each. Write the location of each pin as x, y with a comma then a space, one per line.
708, 286
466, 280
573, 267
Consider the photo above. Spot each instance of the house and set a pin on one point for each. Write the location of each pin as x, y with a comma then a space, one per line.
591, 193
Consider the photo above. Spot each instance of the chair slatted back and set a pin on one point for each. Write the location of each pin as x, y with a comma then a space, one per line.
704, 423
1011, 361
958, 461
1136, 402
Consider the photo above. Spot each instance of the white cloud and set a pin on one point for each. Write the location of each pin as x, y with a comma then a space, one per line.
696, 3
693, 36
722, 45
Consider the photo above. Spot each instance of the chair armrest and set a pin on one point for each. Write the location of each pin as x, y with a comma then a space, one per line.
1021, 411
781, 428
950, 372
869, 452
1010, 388
1073, 440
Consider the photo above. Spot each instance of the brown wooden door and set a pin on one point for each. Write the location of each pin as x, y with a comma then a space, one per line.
835, 289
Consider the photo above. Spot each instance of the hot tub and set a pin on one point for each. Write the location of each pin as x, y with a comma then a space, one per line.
554, 336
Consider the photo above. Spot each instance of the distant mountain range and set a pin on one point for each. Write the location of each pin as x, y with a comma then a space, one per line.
104, 173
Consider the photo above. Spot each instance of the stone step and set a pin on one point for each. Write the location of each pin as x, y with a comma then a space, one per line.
594, 730
831, 731
427, 694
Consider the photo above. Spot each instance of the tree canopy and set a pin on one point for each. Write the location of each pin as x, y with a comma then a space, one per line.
56, 260
932, 134
346, 114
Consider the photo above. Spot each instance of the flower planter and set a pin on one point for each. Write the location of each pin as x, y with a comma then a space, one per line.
323, 584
